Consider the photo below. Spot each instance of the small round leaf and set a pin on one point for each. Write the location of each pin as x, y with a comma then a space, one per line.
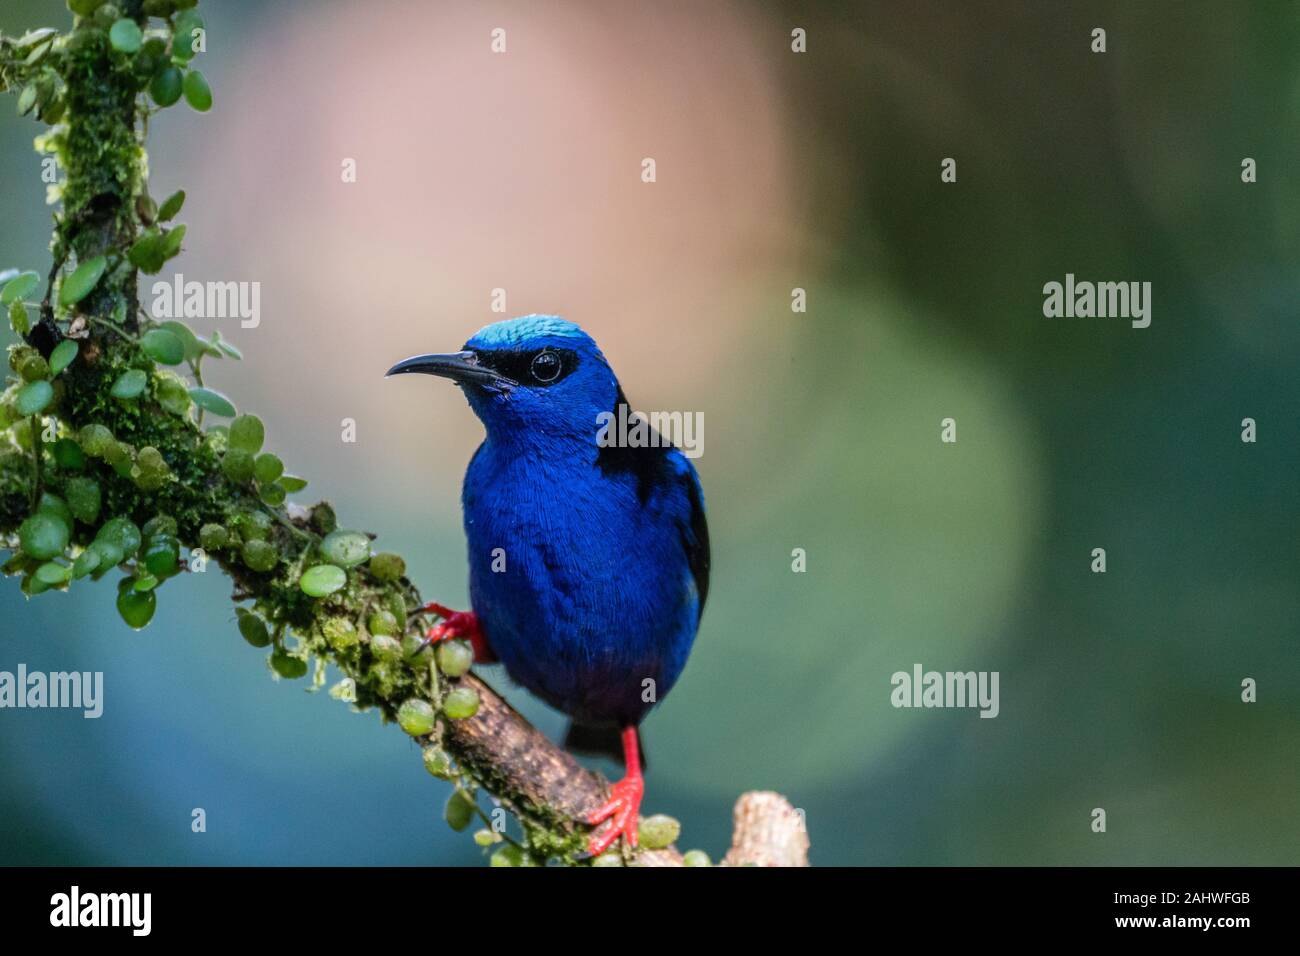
197, 92
163, 346
82, 281
63, 355
125, 36
323, 579
129, 384
214, 402
33, 398
19, 287
167, 86
137, 607
43, 536
346, 549
171, 207
247, 433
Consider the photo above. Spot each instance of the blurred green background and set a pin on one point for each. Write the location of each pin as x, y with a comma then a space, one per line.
775, 170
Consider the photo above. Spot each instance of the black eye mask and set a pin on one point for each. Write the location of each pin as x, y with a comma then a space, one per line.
537, 368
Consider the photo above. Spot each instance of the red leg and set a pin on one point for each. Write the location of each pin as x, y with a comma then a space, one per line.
624, 804
458, 624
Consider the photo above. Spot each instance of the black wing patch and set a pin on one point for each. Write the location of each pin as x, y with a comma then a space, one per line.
652, 468
697, 546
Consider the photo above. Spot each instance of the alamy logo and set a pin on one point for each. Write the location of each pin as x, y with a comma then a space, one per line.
629, 429
1102, 300
179, 299
79, 690
102, 909
946, 689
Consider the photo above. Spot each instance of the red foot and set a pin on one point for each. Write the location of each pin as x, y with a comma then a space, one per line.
458, 624
624, 804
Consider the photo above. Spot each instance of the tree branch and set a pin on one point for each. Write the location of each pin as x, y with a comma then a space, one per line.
134, 483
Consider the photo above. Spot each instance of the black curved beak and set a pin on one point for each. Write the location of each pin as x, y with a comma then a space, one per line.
461, 367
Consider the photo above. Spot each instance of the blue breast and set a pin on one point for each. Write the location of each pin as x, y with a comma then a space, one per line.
588, 572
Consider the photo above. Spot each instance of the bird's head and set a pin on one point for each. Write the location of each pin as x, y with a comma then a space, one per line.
535, 376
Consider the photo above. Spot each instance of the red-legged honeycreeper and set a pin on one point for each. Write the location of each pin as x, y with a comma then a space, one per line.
588, 561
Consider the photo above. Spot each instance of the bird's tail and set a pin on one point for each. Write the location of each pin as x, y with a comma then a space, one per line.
600, 741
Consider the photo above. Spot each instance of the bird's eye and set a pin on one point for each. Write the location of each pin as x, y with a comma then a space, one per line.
546, 366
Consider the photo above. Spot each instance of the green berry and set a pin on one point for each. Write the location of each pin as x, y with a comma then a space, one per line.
34, 368
387, 567
213, 537
416, 717
609, 858
459, 811
696, 858
438, 763
455, 657
461, 703
658, 831
382, 622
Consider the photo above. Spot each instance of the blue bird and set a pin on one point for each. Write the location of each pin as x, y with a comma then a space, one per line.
588, 561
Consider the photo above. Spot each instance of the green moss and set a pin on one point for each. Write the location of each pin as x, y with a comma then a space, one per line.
147, 458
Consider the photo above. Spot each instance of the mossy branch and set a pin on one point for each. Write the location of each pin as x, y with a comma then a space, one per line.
106, 466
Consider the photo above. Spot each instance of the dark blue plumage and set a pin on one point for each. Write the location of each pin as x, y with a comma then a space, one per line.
605, 550
588, 565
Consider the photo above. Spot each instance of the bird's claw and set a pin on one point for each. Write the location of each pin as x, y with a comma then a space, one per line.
622, 809
457, 624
